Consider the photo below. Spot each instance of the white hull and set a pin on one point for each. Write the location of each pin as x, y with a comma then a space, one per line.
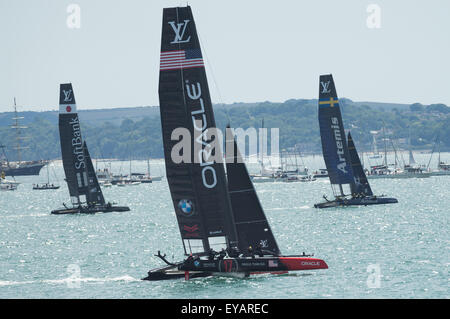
263, 179
400, 175
440, 173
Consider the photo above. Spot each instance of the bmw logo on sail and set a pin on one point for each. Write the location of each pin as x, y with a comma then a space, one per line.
186, 207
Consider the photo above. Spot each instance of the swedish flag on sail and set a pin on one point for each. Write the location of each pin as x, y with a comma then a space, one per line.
328, 102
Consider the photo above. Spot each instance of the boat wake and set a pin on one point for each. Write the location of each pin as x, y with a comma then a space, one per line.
26, 215
69, 281
288, 208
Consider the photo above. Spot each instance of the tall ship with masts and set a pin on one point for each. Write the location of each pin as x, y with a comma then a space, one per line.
19, 167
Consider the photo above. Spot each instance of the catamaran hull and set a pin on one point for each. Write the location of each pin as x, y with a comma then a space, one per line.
236, 267
263, 179
357, 202
440, 173
90, 210
172, 272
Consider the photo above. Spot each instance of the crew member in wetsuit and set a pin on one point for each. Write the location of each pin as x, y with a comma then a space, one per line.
222, 254
250, 252
189, 260
258, 251
233, 252
212, 254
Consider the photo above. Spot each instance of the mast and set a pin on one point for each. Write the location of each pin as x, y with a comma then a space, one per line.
411, 156
439, 153
435, 144
17, 127
396, 161
196, 178
385, 147
332, 134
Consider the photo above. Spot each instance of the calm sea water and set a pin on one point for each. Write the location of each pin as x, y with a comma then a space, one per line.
391, 251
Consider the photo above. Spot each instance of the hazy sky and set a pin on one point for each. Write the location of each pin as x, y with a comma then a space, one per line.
256, 50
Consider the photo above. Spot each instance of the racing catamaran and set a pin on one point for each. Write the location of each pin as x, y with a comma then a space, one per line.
341, 158
85, 192
222, 224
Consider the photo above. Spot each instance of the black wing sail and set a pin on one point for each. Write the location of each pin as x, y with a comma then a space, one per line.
94, 196
251, 223
71, 141
197, 183
361, 184
334, 144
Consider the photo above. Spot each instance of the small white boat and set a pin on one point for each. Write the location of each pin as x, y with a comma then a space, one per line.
7, 187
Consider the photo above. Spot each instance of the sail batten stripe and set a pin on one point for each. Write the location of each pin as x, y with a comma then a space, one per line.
241, 191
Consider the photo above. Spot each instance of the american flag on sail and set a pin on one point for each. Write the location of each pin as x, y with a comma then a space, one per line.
181, 59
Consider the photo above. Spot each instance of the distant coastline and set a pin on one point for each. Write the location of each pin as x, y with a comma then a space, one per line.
135, 132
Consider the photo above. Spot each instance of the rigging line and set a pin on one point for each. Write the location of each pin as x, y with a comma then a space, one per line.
395, 152
216, 85
181, 71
